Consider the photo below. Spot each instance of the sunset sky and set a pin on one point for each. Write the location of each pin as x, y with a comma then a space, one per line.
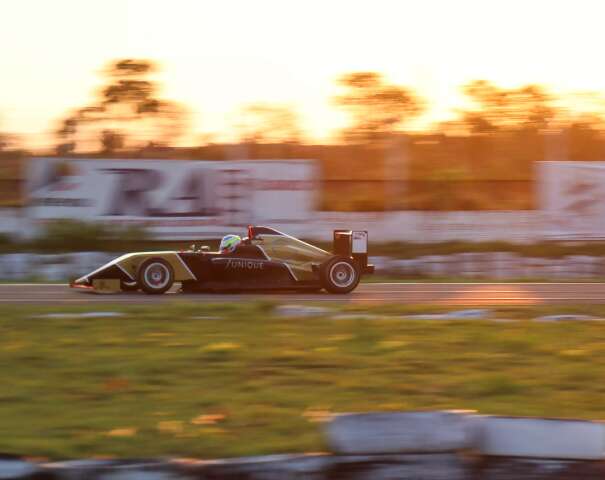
217, 55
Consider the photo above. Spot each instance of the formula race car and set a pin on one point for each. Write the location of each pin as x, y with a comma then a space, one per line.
265, 260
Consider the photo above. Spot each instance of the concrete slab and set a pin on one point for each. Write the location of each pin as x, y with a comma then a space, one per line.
541, 438
409, 432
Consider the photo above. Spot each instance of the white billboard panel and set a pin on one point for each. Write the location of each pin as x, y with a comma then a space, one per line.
174, 198
572, 199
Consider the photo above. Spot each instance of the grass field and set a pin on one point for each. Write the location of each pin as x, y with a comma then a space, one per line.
226, 380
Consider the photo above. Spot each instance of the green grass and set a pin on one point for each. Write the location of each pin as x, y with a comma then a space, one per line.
241, 381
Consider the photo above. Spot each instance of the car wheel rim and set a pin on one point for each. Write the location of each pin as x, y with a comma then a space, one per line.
157, 275
342, 274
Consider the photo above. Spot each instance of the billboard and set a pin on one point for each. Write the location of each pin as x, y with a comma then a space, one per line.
173, 198
185, 199
572, 199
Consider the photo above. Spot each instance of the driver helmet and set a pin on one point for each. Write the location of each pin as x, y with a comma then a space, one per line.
229, 243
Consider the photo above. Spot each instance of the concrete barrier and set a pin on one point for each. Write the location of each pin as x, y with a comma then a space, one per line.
12, 467
301, 311
150, 469
541, 438
14, 266
371, 446
408, 432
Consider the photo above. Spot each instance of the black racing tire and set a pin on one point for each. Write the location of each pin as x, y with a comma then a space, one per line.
129, 286
155, 276
340, 275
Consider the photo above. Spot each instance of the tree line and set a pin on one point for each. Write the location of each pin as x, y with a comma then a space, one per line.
128, 112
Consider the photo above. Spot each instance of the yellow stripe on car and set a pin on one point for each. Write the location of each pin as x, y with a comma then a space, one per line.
131, 263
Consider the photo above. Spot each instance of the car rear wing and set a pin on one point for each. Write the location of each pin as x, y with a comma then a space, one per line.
353, 244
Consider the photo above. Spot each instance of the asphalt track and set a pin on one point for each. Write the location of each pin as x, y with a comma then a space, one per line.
370, 293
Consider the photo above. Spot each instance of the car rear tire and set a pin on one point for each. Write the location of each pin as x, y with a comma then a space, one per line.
155, 276
340, 275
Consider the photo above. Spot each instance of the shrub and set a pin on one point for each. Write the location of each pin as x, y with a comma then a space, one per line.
6, 243
72, 235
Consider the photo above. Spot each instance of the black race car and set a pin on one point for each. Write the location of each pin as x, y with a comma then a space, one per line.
266, 260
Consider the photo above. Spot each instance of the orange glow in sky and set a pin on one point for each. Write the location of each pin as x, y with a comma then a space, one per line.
217, 55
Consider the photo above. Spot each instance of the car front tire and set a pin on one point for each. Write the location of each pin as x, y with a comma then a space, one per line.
155, 276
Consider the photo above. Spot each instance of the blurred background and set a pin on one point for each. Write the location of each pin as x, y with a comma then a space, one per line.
125, 122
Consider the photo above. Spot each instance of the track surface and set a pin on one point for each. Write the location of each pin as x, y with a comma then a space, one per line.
414, 293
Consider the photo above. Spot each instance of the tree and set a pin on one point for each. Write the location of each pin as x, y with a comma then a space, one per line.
497, 108
128, 110
264, 123
111, 141
7, 142
377, 108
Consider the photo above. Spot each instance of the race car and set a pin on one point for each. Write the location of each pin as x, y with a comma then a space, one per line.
266, 259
